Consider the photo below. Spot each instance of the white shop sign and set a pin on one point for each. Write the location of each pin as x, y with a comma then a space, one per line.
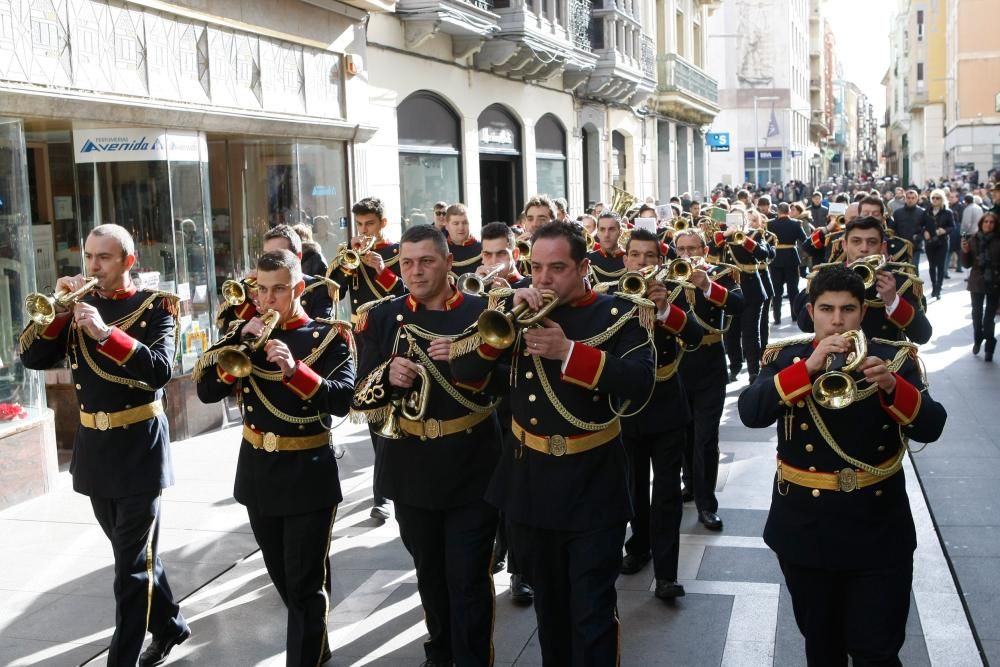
137, 144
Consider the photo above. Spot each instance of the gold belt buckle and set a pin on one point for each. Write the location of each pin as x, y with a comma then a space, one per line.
848, 479
102, 421
270, 442
432, 428
557, 445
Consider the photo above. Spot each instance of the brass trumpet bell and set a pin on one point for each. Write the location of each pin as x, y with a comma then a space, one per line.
234, 293
681, 224
471, 283
235, 360
738, 237
349, 259
633, 283
836, 389
868, 268
414, 403
389, 429
41, 308
680, 269
499, 330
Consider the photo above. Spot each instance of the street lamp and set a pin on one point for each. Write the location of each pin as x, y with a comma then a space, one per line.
756, 136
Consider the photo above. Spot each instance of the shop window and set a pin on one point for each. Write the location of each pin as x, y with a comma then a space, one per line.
429, 157
550, 156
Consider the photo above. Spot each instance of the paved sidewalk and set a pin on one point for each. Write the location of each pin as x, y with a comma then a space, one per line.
56, 606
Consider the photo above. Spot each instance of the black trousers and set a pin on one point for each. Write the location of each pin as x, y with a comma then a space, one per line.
451, 551
377, 496
936, 260
573, 574
133, 526
743, 337
765, 329
785, 279
705, 387
861, 613
984, 310
296, 551
503, 549
656, 525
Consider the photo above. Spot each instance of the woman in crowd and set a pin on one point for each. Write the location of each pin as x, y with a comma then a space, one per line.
981, 254
937, 246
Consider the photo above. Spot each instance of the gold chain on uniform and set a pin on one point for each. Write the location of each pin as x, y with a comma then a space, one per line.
275, 376
278, 413
428, 363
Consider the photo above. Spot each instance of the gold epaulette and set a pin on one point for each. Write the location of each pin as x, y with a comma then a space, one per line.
771, 352
911, 349
209, 358
646, 309
602, 288
171, 302
344, 329
730, 270
332, 287
362, 312
495, 297
28, 336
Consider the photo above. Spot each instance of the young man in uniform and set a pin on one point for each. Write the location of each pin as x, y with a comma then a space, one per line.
286, 474
840, 520
120, 341
607, 260
465, 250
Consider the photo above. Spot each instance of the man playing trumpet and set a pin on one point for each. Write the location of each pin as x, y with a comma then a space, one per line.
297, 374
840, 520
120, 342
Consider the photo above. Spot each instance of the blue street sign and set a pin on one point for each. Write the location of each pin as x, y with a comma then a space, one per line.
717, 139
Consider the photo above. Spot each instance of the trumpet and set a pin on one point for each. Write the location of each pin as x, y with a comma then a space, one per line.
412, 405
523, 250
836, 389
349, 259
499, 330
869, 267
738, 237
471, 283
633, 283
41, 308
234, 292
235, 360
677, 270
680, 224
591, 241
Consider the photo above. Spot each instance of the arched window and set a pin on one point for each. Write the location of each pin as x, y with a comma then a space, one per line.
430, 152
550, 156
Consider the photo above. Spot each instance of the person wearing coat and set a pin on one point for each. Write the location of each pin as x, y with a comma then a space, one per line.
981, 254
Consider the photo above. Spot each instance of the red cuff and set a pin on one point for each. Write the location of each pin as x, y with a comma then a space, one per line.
717, 294
817, 239
119, 346
720, 238
246, 311
905, 402
749, 244
793, 382
387, 279
488, 352
584, 366
676, 319
224, 376
52, 331
305, 382
903, 315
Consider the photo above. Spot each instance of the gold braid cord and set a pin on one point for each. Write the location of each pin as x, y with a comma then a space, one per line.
209, 359
496, 298
291, 419
465, 345
771, 352
449, 389
28, 336
276, 376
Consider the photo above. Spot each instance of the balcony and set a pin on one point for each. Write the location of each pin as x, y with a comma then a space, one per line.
819, 123
625, 71
815, 83
539, 45
469, 22
373, 6
685, 92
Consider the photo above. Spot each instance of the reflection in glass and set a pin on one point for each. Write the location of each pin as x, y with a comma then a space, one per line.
425, 179
551, 177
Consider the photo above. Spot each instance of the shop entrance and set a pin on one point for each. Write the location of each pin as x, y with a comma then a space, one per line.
501, 183
497, 190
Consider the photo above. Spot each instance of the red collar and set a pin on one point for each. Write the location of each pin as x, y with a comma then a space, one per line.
597, 246
296, 322
123, 293
585, 300
451, 304
618, 252
467, 242
382, 244
514, 277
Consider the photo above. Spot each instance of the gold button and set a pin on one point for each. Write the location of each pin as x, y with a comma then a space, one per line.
597, 397
531, 398
878, 492
315, 334
246, 390
796, 360
249, 408
529, 375
885, 326
885, 427
253, 427
314, 349
78, 386
809, 448
881, 448
614, 311
800, 404
74, 367
127, 407
533, 421
302, 427
815, 493
149, 307
399, 317
305, 408
525, 352
812, 468
355, 301
804, 426
142, 324
81, 406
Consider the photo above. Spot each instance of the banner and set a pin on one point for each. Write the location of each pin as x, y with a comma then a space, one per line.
137, 144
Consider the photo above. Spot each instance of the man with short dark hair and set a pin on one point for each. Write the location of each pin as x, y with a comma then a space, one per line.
465, 249
286, 474
912, 223
607, 258
817, 210
840, 520
500, 249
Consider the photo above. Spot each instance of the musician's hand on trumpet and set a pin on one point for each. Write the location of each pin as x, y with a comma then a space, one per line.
657, 293
438, 349
877, 372
547, 341
885, 285
699, 278
833, 344
279, 354
403, 372
88, 319
364, 245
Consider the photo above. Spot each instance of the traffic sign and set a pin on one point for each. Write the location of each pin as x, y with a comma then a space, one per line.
717, 139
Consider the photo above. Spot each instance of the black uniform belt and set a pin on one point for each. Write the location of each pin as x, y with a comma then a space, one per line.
845, 479
557, 445
102, 421
438, 428
283, 443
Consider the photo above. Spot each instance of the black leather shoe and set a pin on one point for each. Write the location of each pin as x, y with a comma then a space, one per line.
777, 319
633, 563
432, 663
520, 592
327, 655
975, 346
733, 375
380, 512
499, 566
158, 650
668, 590
710, 520
687, 496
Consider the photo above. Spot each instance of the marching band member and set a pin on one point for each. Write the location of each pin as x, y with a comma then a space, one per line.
655, 433
500, 249
538, 210
703, 374
465, 250
607, 261
895, 302
286, 474
784, 269
439, 447
562, 479
840, 520
120, 342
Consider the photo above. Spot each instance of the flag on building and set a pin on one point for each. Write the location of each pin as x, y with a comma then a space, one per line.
772, 127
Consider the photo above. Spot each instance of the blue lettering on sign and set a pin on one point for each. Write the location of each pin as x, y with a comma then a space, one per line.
324, 191
119, 146
89, 147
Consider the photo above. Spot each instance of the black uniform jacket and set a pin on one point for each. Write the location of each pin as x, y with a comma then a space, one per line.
128, 371
466, 257
364, 285
605, 266
868, 527
436, 473
750, 258
789, 234
907, 322
284, 483
611, 363
713, 313
316, 301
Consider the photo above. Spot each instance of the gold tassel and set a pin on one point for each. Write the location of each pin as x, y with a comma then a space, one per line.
465, 346
373, 416
647, 316
28, 336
